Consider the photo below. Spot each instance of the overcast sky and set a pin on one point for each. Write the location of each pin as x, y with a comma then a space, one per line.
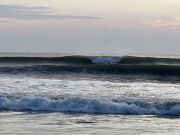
90, 26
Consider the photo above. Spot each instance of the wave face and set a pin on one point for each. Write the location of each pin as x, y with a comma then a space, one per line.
92, 64
93, 60
65, 59
88, 105
162, 70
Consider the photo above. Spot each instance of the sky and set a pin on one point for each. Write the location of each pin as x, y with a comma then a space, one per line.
90, 26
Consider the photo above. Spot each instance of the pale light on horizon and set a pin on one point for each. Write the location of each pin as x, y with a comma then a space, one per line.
90, 26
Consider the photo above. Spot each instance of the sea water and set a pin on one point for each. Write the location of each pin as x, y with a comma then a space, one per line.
57, 94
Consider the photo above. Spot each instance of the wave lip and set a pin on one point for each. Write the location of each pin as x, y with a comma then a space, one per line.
85, 105
105, 60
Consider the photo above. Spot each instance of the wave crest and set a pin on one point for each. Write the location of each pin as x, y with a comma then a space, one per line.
105, 60
85, 105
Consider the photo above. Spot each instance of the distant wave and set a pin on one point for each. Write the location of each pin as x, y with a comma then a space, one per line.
87, 105
91, 64
65, 59
92, 60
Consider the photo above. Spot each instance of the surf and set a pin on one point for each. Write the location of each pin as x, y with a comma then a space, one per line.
87, 105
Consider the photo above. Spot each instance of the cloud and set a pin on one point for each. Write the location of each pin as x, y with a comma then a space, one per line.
2, 21
167, 23
28, 13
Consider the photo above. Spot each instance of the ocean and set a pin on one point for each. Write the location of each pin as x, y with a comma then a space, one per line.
52, 93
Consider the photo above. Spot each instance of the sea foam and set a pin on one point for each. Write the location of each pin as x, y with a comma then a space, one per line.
105, 60
84, 105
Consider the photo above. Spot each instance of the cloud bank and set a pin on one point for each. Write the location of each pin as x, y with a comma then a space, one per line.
29, 13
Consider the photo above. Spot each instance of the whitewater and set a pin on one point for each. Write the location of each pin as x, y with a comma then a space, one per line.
89, 94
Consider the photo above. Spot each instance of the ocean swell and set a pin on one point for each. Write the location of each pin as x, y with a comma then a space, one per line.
165, 70
78, 59
86, 105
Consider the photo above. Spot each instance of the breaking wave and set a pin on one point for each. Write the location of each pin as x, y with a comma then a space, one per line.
87, 105
91, 64
92, 60
105, 60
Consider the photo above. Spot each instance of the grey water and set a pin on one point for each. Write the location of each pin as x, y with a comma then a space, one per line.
41, 123
38, 96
